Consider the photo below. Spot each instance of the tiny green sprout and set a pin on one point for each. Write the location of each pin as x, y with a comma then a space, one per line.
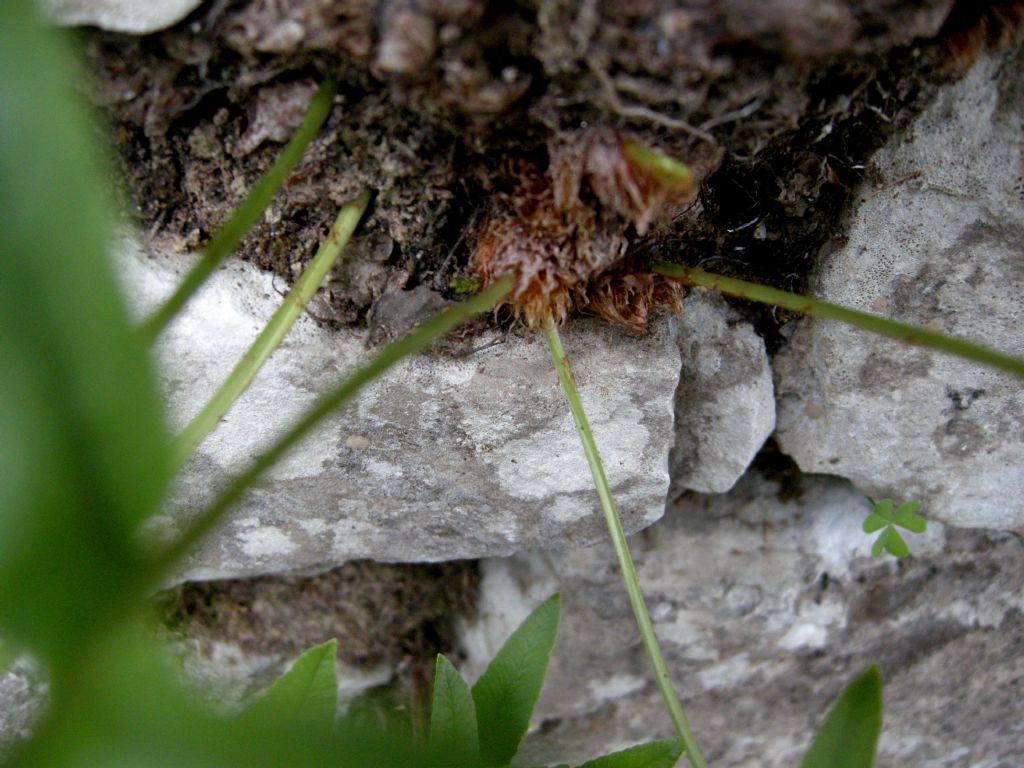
666, 170
464, 285
883, 517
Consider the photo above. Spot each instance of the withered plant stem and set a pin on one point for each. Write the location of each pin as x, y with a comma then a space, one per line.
618, 536
910, 334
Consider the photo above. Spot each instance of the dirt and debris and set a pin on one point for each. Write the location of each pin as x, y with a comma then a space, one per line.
777, 106
381, 614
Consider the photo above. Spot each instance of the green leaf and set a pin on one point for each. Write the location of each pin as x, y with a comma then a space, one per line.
131, 710
308, 692
879, 546
906, 517
453, 732
849, 735
884, 508
506, 693
894, 543
82, 443
874, 522
655, 754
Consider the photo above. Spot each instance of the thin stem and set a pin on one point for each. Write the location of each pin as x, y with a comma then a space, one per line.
416, 340
245, 215
271, 335
629, 575
805, 304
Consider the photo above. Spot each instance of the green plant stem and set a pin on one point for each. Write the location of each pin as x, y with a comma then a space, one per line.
271, 335
805, 304
413, 342
629, 575
245, 215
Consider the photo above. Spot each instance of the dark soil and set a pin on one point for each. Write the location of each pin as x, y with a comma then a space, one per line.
381, 614
777, 107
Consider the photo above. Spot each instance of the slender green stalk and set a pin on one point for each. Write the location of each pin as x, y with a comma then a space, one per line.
629, 575
271, 335
245, 215
416, 340
805, 304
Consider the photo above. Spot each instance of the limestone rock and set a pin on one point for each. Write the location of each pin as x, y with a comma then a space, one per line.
23, 693
938, 242
120, 15
440, 459
725, 403
766, 609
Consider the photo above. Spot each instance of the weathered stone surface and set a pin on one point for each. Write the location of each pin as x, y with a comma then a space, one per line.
938, 242
440, 459
766, 609
22, 694
120, 15
725, 403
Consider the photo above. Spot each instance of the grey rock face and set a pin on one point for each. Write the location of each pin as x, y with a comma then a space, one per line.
766, 609
939, 243
725, 403
440, 459
22, 697
120, 15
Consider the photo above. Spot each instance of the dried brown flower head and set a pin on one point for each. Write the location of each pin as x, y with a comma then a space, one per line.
564, 252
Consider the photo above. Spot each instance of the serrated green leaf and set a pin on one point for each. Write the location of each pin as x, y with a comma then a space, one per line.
307, 693
453, 732
874, 522
82, 443
654, 754
884, 509
505, 694
895, 544
849, 736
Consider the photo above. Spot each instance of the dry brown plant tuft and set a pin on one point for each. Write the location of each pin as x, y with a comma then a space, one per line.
565, 249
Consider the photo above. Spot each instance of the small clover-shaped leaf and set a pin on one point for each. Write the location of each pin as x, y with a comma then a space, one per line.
906, 517
893, 542
874, 523
884, 518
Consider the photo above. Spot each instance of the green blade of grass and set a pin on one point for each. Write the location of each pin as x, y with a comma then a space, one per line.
270, 337
416, 340
900, 331
245, 215
629, 575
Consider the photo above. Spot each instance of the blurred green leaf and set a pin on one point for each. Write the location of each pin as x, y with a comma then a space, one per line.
849, 735
128, 709
874, 522
82, 444
507, 691
906, 517
453, 732
308, 692
655, 754
895, 543
884, 508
